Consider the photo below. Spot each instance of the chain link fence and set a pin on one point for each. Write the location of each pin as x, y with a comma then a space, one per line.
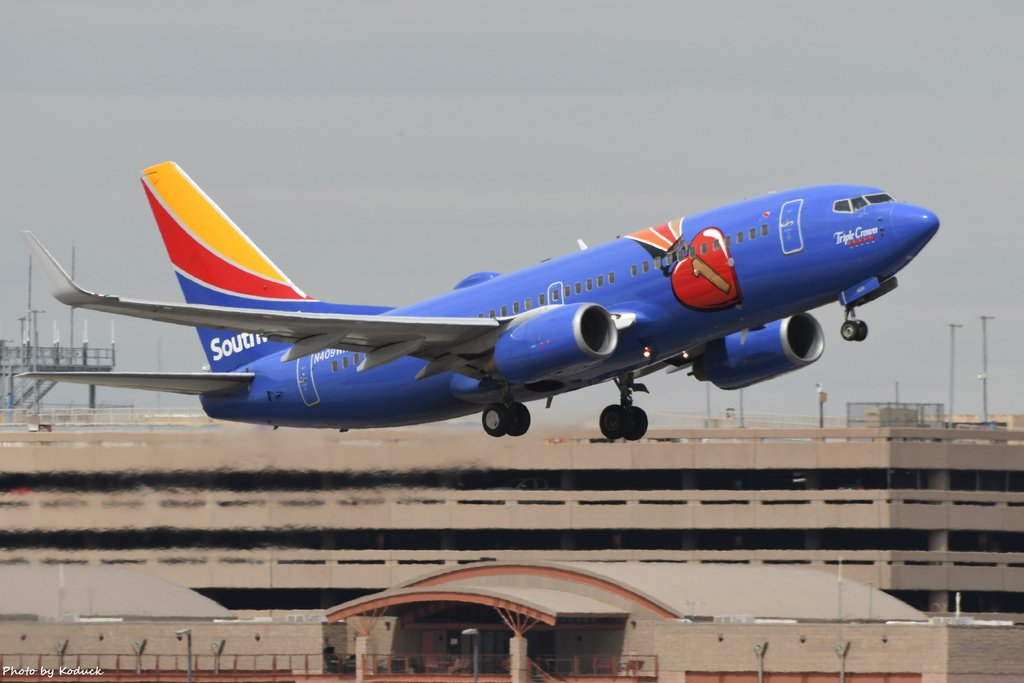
895, 414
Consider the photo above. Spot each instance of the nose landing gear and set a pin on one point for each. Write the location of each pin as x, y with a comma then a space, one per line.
624, 421
858, 295
853, 329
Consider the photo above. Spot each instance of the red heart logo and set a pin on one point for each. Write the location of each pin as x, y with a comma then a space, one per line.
705, 279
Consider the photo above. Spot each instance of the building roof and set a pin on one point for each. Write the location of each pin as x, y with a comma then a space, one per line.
648, 590
757, 590
543, 604
84, 591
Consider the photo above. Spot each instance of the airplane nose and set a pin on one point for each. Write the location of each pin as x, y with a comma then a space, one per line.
914, 223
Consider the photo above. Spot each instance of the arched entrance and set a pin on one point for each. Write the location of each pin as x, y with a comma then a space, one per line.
530, 636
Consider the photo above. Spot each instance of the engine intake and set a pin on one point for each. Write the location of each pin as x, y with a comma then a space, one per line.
555, 342
741, 359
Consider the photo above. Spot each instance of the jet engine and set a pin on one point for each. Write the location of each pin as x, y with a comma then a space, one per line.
555, 342
745, 358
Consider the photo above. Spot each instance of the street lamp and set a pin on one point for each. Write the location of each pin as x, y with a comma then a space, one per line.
476, 652
984, 367
822, 397
186, 633
952, 361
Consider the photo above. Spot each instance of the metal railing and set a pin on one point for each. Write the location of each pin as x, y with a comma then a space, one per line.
549, 667
23, 358
600, 666
453, 440
538, 674
120, 416
433, 664
225, 665
731, 419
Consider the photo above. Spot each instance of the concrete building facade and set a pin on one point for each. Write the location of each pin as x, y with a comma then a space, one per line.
584, 621
508, 622
281, 520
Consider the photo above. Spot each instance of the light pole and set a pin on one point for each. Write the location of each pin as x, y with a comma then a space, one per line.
707, 405
822, 397
984, 367
952, 364
476, 652
186, 633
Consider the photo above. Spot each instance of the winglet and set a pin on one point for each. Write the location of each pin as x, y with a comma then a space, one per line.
61, 285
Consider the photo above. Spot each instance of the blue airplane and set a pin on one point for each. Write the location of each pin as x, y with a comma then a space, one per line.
724, 293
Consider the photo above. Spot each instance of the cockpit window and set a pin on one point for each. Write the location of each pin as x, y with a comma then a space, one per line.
858, 203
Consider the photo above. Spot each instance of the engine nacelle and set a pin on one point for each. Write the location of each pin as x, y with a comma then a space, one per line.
555, 342
742, 359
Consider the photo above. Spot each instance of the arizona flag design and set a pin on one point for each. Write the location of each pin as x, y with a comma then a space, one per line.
705, 278
205, 246
661, 237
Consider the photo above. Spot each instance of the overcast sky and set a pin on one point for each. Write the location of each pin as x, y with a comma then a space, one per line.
380, 151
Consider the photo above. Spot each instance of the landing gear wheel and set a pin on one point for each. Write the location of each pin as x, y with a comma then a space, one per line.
853, 329
520, 422
636, 424
613, 422
496, 419
624, 420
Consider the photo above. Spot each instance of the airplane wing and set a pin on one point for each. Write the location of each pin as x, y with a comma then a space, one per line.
192, 383
449, 343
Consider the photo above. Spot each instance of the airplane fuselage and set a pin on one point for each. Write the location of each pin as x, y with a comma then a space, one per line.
764, 259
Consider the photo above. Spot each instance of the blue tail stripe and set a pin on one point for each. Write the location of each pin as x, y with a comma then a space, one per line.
227, 351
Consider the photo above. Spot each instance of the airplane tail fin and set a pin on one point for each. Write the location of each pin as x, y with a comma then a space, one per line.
217, 264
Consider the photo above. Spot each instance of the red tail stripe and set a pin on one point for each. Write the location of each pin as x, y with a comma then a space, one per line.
198, 262
665, 232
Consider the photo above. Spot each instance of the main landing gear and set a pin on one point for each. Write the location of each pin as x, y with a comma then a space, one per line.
624, 421
509, 418
853, 329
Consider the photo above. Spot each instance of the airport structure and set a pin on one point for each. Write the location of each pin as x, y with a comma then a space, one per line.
282, 519
500, 622
888, 554
24, 394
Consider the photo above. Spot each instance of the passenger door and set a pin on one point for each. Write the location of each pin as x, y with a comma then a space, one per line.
555, 289
304, 378
790, 234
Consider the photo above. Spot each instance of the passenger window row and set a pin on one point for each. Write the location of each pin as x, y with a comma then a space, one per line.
346, 360
750, 235
556, 295
692, 251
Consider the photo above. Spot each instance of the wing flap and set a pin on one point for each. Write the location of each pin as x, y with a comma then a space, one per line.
192, 383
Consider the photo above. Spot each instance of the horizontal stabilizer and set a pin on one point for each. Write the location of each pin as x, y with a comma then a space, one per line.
193, 383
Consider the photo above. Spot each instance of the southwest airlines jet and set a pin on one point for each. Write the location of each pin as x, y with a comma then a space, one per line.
724, 293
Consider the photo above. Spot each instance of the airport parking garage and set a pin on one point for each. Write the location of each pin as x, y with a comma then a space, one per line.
369, 556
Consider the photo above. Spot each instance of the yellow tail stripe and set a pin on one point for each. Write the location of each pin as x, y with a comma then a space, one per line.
206, 221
